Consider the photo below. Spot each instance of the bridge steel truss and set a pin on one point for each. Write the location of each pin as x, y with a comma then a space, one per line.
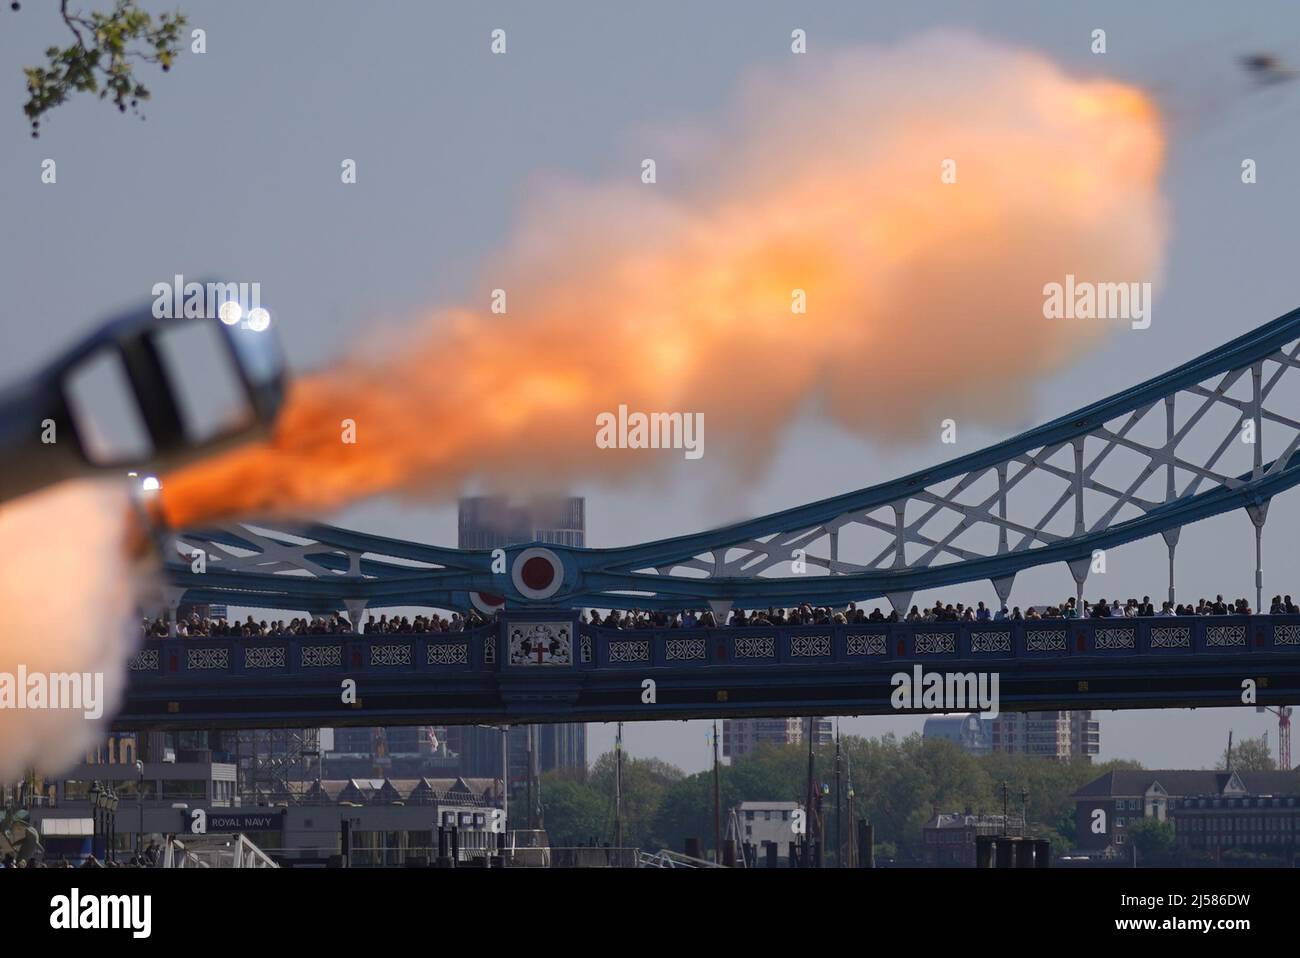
1214, 435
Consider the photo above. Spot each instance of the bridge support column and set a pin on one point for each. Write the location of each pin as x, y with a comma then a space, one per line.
356, 610
900, 601
1002, 511
832, 565
1171, 491
1077, 486
173, 598
1258, 514
721, 609
900, 533
1003, 588
1079, 569
1171, 540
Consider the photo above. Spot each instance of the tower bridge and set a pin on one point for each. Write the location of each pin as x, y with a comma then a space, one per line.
1215, 435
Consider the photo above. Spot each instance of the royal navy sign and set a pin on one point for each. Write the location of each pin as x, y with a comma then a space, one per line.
202, 821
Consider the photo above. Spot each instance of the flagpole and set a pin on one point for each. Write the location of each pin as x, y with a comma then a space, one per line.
717, 801
618, 791
809, 815
839, 808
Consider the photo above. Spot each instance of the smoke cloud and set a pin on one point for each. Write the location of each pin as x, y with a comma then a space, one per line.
65, 606
924, 298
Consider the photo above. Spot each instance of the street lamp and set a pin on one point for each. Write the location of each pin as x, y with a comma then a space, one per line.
139, 797
110, 807
851, 852
505, 766
93, 794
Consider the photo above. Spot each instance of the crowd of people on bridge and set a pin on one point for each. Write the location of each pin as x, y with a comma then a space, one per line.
807, 614
426, 623
195, 625
802, 615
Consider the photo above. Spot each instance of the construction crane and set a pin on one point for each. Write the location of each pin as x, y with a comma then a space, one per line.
1283, 713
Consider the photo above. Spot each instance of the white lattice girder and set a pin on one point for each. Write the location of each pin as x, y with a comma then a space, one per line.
274, 552
1180, 455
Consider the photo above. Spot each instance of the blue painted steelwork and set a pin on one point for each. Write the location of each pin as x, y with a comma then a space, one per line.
600, 674
375, 571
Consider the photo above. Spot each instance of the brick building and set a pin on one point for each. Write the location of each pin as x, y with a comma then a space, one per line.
1106, 807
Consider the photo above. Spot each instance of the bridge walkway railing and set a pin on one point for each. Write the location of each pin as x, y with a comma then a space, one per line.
488, 649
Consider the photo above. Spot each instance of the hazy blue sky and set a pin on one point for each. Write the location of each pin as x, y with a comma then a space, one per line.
236, 173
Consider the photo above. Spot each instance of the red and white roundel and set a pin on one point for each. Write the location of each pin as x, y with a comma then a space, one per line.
487, 602
537, 573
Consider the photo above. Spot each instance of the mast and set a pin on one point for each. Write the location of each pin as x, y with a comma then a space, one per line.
618, 789
717, 800
534, 784
809, 814
839, 808
505, 776
851, 849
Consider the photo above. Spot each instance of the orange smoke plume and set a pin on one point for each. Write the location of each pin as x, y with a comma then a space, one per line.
924, 298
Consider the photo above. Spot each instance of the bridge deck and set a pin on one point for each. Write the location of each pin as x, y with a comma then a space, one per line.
545, 667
